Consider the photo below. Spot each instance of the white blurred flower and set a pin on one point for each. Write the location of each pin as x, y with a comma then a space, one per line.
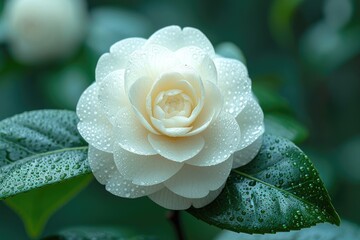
168, 118
39, 30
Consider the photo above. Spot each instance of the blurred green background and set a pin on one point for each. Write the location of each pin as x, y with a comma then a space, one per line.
302, 55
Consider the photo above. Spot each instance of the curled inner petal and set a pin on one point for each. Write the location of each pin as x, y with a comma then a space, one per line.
172, 103
175, 101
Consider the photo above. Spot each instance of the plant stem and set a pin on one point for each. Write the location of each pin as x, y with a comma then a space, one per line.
174, 218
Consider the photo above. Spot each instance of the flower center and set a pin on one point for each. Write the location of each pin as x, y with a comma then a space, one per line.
173, 103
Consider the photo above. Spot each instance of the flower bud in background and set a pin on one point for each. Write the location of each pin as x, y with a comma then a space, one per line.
39, 31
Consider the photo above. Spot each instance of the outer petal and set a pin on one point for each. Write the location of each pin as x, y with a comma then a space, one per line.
201, 202
234, 84
104, 169
199, 60
119, 186
102, 164
94, 127
118, 57
197, 182
137, 95
144, 170
251, 122
221, 140
177, 149
170, 200
174, 38
150, 62
112, 96
212, 106
247, 154
130, 134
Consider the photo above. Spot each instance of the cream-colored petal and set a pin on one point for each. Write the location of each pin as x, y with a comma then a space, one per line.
102, 164
172, 132
201, 202
212, 106
197, 182
94, 127
177, 149
130, 134
118, 57
234, 84
199, 60
144, 170
245, 155
149, 62
184, 79
170, 200
174, 38
112, 96
251, 122
174, 79
104, 169
221, 140
121, 187
195, 37
137, 96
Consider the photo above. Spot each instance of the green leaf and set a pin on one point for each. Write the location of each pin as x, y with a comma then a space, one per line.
347, 231
285, 126
280, 190
98, 233
270, 100
36, 207
40, 148
281, 14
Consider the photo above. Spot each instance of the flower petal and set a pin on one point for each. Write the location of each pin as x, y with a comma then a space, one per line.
144, 170
149, 62
121, 187
245, 155
174, 38
117, 58
221, 140
130, 134
197, 182
177, 149
137, 96
112, 96
211, 109
94, 127
199, 60
234, 84
170, 200
251, 122
179, 79
172, 132
104, 169
102, 164
201, 202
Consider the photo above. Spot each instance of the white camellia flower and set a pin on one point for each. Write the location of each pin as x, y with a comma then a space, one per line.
39, 30
167, 118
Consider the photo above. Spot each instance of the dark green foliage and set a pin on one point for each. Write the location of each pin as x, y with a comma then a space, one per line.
40, 148
280, 190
